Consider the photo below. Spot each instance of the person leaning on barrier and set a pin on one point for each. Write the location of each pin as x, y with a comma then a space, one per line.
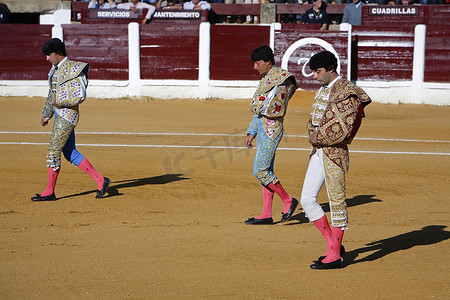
137, 6
102, 4
353, 12
197, 5
168, 4
316, 15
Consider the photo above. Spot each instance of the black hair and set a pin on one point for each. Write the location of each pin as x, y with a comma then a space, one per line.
264, 53
324, 59
54, 45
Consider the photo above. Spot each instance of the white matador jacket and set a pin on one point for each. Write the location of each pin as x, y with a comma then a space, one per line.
271, 99
67, 91
340, 121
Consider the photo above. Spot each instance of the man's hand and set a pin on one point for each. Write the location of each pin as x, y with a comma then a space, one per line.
248, 141
44, 121
313, 140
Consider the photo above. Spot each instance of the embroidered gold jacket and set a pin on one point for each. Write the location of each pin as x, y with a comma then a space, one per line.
70, 90
340, 121
271, 99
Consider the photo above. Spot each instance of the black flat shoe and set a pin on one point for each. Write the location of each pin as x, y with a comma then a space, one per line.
38, 197
290, 212
106, 182
319, 259
265, 221
323, 256
319, 265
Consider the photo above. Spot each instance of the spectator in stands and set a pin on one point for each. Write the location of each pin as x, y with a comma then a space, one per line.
343, 1
234, 1
151, 2
137, 6
291, 18
4, 13
168, 4
352, 12
197, 5
102, 4
182, 2
316, 15
248, 18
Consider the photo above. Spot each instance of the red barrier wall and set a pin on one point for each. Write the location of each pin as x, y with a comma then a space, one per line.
385, 42
437, 43
21, 56
169, 51
104, 47
292, 33
437, 58
231, 47
385, 56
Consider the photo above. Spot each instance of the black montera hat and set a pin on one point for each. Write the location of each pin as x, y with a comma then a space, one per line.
323, 59
54, 45
262, 53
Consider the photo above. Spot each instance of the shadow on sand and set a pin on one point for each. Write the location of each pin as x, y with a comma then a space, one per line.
428, 235
114, 188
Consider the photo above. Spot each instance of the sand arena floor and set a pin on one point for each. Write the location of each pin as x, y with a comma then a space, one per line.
171, 226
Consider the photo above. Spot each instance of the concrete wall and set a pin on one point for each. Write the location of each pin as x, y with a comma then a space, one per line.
36, 6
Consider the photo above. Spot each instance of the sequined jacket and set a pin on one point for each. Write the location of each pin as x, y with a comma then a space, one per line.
70, 90
340, 121
270, 101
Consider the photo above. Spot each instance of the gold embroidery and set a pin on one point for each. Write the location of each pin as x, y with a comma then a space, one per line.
335, 183
273, 107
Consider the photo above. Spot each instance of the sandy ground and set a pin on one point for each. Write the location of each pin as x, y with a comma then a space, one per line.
171, 226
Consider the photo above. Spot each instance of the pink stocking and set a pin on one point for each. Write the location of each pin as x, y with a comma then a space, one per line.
336, 241
324, 228
267, 204
51, 182
86, 166
278, 188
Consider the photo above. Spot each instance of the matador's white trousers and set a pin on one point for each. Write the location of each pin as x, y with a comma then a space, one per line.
322, 170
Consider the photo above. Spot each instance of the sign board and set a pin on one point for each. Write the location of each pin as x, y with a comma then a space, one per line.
394, 10
178, 14
112, 14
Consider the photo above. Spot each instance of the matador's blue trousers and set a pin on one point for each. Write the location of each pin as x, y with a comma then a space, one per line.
265, 152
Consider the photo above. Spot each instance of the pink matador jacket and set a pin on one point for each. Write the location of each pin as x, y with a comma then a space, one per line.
340, 122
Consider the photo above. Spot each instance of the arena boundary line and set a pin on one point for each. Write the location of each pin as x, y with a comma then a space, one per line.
225, 147
216, 134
